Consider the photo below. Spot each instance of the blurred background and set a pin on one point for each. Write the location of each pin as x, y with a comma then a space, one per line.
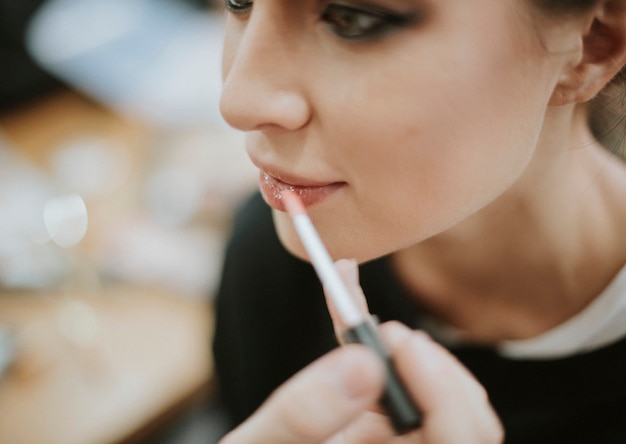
118, 181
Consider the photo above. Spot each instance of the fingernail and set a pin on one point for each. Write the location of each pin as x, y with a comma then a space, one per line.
349, 270
395, 333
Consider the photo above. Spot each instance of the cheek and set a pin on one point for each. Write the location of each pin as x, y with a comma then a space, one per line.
433, 156
439, 143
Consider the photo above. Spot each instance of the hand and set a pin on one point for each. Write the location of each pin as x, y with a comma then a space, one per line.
334, 400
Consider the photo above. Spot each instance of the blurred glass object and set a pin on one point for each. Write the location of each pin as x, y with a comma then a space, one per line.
155, 60
175, 239
65, 218
26, 257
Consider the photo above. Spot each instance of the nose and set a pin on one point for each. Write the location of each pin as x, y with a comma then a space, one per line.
263, 88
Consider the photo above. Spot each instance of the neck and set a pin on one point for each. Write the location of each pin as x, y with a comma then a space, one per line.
536, 255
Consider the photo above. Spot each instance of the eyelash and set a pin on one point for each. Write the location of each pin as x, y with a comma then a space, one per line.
238, 7
370, 22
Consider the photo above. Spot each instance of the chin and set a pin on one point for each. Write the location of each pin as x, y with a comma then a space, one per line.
290, 240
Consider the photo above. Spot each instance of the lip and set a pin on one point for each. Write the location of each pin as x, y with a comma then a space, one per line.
310, 192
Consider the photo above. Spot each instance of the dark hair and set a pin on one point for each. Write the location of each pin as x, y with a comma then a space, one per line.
607, 111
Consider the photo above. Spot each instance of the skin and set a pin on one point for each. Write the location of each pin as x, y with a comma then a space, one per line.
484, 161
463, 148
441, 90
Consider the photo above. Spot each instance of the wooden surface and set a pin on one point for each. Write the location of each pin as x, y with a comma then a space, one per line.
149, 354
95, 365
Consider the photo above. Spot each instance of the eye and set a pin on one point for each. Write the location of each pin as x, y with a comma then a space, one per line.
367, 23
238, 6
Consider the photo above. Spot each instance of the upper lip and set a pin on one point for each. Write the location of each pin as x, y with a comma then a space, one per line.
289, 179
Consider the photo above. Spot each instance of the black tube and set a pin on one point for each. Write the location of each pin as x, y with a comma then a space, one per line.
395, 401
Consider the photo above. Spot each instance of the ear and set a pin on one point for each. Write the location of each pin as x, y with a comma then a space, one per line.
603, 55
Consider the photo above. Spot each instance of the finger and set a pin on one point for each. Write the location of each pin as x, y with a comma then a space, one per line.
349, 271
319, 401
455, 406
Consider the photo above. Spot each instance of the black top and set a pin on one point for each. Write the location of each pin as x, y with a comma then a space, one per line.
272, 321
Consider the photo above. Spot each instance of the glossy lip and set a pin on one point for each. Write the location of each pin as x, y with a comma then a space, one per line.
310, 192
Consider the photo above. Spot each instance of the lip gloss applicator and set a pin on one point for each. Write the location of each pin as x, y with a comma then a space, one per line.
396, 401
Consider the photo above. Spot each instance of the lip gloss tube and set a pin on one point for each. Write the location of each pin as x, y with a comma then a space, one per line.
396, 401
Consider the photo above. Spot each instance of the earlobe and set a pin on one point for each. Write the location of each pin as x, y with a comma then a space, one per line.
603, 56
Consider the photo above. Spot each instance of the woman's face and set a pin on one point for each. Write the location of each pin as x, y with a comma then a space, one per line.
394, 119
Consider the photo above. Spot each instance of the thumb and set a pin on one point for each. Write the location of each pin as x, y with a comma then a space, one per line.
317, 402
456, 407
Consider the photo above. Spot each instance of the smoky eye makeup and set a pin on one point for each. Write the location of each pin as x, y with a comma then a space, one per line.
356, 21
366, 22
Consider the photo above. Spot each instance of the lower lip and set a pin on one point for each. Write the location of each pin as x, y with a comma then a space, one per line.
271, 189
